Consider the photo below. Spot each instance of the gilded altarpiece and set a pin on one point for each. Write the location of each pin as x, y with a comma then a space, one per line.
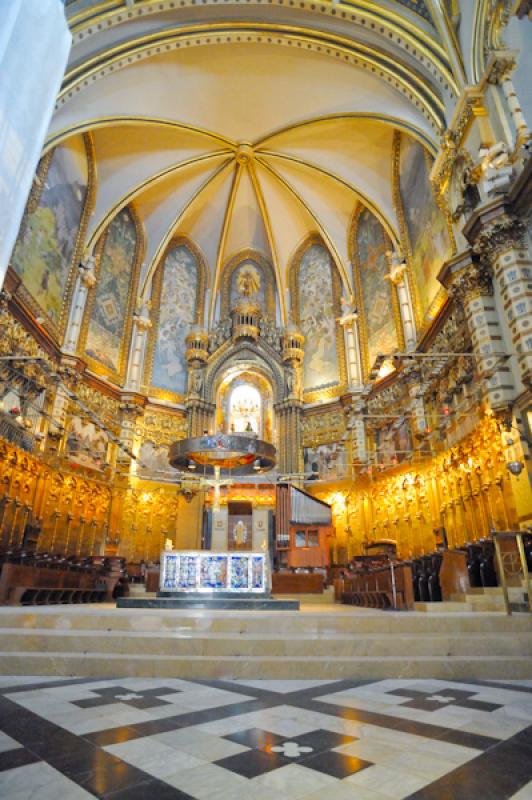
53, 228
107, 322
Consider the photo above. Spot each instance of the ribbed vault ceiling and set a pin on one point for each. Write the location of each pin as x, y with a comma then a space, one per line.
247, 136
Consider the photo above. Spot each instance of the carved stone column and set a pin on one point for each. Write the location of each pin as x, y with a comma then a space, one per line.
417, 405
356, 425
500, 241
200, 411
141, 326
349, 322
85, 280
500, 70
131, 409
470, 282
290, 410
398, 276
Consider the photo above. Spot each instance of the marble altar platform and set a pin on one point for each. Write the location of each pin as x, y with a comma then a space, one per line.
232, 580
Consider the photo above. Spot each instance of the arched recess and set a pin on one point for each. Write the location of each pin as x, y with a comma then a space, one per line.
252, 378
107, 322
376, 297
178, 293
315, 295
258, 357
265, 295
52, 233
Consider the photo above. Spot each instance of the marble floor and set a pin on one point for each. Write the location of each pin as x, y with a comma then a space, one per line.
64, 739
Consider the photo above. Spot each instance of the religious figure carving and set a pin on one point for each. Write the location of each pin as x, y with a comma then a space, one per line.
196, 381
248, 281
292, 382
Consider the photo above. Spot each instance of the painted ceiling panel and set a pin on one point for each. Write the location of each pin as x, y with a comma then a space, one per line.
204, 219
160, 205
329, 202
356, 150
128, 156
291, 223
246, 226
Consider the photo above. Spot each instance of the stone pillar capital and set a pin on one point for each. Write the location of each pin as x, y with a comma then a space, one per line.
397, 264
143, 323
472, 282
501, 65
505, 232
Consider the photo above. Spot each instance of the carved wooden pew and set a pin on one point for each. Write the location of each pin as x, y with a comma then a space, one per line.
383, 587
25, 585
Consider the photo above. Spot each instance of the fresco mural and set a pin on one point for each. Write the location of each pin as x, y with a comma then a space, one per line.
153, 458
325, 462
427, 228
317, 316
44, 250
176, 316
247, 281
109, 310
372, 244
86, 444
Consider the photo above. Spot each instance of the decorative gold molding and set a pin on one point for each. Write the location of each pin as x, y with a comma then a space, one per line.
415, 87
271, 241
321, 228
237, 174
366, 14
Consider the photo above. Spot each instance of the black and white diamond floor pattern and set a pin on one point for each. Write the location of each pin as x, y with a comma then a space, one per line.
269, 740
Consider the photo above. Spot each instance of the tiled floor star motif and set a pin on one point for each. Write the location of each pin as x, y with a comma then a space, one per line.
314, 750
148, 698
427, 701
176, 739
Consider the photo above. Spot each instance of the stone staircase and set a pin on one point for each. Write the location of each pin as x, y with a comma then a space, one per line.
477, 599
334, 642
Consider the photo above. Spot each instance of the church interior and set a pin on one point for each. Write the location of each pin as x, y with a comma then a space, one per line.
266, 399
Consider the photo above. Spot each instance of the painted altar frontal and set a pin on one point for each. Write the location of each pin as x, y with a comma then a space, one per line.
208, 572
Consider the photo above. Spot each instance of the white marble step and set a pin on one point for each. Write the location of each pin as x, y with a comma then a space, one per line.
102, 665
316, 621
273, 645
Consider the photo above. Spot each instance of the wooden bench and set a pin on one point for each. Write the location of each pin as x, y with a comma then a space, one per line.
378, 588
24, 585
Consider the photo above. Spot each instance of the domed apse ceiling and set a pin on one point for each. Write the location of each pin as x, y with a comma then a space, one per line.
246, 140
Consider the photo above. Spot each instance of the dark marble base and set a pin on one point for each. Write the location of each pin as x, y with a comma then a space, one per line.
219, 601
